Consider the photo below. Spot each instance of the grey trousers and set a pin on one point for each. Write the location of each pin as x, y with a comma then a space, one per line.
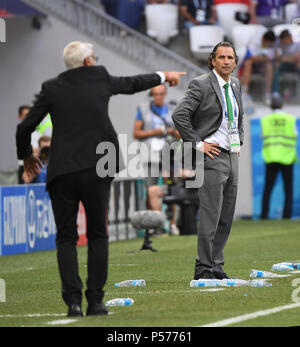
217, 204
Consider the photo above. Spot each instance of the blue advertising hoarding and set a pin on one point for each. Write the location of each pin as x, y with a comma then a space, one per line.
258, 177
26, 220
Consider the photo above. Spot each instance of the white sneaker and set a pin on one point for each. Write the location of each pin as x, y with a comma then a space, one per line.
174, 230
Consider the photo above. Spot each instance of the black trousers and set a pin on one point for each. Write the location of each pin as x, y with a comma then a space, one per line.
272, 171
66, 192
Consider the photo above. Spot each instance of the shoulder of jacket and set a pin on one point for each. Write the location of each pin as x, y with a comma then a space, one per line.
201, 78
50, 82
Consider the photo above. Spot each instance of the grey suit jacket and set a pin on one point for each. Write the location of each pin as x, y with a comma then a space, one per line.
199, 113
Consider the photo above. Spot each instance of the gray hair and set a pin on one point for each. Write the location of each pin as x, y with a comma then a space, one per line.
75, 53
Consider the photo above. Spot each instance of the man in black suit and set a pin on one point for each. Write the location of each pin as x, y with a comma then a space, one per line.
78, 103
210, 115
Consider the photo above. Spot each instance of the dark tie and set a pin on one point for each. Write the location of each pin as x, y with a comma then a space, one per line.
228, 103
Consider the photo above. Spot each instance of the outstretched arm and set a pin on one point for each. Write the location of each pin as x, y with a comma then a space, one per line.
139, 83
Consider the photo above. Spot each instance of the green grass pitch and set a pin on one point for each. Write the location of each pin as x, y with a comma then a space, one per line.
33, 287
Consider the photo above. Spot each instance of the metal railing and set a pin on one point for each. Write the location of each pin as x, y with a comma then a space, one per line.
103, 28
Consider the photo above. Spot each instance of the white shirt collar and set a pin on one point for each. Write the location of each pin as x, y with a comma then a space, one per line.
220, 79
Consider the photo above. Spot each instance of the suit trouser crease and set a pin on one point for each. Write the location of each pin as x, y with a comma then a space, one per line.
217, 205
66, 192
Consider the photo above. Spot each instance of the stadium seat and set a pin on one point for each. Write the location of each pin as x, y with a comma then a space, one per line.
226, 16
242, 35
203, 39
290, 12
162, 21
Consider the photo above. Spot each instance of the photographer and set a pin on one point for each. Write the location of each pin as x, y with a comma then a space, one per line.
154, 126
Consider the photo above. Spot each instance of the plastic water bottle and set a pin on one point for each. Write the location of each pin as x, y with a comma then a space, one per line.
233, 282
205, 283
264, 274
257, 274
120, 302
131, 283
286, 266
260, 283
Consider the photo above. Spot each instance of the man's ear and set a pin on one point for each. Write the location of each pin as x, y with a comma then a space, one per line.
86, 62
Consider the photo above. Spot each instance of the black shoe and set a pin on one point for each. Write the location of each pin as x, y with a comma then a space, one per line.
96, 309
75, 310
220, 275
205, 275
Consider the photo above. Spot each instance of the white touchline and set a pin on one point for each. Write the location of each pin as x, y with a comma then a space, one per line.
171, 291
33, 315
238, 319
62, 322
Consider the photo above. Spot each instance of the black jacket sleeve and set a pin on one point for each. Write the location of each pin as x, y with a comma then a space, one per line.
133, 84
36, 114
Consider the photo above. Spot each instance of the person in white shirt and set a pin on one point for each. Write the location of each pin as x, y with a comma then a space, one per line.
259, 59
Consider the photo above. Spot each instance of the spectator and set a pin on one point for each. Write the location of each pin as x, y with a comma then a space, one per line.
279, 153
43, 129
127, 11
269, 12
259, 58
245, 18
154, 126
152, 2
287, 58
197, 12
22, 113
44, 144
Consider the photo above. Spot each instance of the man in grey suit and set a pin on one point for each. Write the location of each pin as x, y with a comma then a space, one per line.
210, 115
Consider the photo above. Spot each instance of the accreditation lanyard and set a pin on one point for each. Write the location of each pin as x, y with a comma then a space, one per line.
275, 8
233, 131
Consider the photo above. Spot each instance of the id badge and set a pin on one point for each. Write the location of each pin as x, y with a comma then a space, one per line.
234, 139
200, 16
274, 13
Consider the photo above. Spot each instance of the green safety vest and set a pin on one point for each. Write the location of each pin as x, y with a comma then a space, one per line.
279, 138
44, 125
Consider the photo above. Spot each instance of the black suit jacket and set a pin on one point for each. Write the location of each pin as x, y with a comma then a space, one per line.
77, 101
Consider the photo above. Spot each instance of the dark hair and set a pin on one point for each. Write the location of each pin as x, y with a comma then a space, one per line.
284, 34
269, 36
22, 108
276, 103
214, 52
44, 153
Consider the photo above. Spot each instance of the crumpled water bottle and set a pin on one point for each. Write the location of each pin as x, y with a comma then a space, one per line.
120, 302
264, 274
131, 283
260, 283
286, 266
205, 283
233, 282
